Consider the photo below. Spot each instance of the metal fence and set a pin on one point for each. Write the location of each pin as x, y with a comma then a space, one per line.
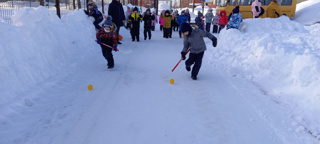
7, 8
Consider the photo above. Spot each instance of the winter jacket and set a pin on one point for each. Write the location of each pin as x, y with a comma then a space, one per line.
161, 20
148, 18
216, 20
223, 19
117, 13
235, 21
209, 17
108, 38
195, 41
155, 20
176, 17
94, 12
135, 19
199, 21
189, 17
182, 19
256, 8
273, 10
167, 20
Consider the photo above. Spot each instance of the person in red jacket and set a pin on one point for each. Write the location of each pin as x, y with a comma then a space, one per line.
223, 20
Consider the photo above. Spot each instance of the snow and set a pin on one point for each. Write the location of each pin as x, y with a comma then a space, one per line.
306, 12
259, 85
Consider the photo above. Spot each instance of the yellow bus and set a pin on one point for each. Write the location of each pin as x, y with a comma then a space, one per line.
287, 7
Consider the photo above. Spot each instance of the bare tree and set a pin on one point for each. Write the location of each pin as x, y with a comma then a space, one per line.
74, 4
42, 2
79, 4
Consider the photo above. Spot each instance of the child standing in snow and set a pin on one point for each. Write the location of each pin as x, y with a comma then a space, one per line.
135, 19
193, 40
215, 22
107, 35
167, 18
199, 20
154, 21
208, 17
147, 24
235, 19
161, 20
182, 19
223, 20
94, 12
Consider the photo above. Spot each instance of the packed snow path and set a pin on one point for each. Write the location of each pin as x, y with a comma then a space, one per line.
135, 103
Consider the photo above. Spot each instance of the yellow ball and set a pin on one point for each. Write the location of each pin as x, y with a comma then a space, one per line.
90, 87
172, 81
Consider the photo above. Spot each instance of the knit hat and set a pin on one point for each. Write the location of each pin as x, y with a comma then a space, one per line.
186, 27
148, 10
236, 10
183, 12
107, 23
135, 9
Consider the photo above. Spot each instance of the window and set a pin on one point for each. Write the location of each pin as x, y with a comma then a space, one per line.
231, 2
265, 2
222, 3
286, 2
245, 2
190, 1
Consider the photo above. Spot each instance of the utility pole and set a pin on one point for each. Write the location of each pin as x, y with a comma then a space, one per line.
193, 5
102, 6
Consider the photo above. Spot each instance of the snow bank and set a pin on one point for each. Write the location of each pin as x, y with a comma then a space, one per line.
281, 57
38, 46
307, 12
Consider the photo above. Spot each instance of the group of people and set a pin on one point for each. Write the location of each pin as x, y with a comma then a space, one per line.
108, 35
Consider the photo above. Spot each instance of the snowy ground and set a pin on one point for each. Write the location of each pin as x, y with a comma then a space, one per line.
257, 86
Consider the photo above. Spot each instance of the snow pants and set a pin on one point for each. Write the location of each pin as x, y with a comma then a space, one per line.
166, 32
215, 29
208, 27
107, 54
147, 30
135, 32
195, 59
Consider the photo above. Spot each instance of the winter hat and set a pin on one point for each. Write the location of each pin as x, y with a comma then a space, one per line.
167, 11
107, 23
148, 10
186, 27
236, 10
109, 17
135, 9
183, 12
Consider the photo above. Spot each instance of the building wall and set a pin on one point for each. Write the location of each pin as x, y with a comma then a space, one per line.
185, 3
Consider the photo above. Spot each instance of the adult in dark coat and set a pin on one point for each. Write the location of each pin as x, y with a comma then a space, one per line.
117, 13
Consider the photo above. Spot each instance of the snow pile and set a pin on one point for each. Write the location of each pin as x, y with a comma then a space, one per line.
305, 12
281, 57
37, 47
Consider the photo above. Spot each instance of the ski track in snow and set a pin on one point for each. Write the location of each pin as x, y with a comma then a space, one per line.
133, 103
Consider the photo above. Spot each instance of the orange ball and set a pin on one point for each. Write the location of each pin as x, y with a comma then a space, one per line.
90, 87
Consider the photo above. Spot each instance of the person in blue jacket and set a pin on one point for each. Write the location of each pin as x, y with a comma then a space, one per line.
235, 19
94, 12
182, 19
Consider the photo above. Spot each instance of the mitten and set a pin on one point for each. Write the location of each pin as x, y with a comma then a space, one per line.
183, 55
214, 41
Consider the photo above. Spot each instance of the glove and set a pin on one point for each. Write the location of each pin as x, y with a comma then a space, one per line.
98, 41
115, 48
183, 55
214, 41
